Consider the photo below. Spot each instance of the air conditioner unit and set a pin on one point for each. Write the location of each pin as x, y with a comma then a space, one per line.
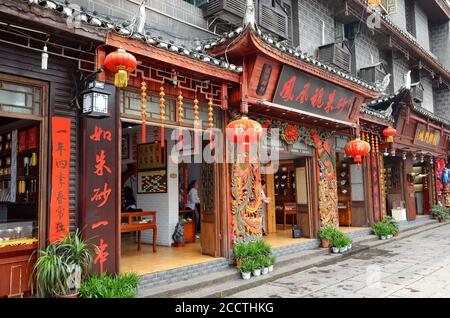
337, 54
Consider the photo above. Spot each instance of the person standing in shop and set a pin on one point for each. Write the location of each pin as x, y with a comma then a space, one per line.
263, 209
193, 203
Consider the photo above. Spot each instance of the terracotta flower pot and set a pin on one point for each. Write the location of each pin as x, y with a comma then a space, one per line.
69, 296
238, 262
397, 234
325, 243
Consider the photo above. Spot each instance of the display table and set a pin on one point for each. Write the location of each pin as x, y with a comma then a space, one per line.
133, 224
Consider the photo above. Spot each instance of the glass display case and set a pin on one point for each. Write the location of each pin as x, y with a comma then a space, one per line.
18, 233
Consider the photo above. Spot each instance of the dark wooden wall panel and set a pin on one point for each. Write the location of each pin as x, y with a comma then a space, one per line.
59, 76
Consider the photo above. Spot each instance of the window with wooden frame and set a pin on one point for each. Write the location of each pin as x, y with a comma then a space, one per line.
20, 98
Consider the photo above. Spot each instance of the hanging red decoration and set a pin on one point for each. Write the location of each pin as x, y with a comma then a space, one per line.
389, 133
244, 130
121, 63
196, 124
180, 119
210, 119
144, 111
162, 112
357, 149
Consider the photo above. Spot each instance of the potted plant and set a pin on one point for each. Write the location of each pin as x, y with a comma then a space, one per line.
439, 213
240, 252
342, 244
60, 268
110, 286
393, 223
382, 230
266, 263
349, 243
271, 263
246, 268
326, 235
256, 267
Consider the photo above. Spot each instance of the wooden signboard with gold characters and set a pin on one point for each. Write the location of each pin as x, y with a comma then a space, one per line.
429, 138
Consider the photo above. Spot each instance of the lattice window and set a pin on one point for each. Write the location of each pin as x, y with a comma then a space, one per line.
18, 98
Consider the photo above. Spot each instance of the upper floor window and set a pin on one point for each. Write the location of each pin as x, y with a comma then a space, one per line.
19, 98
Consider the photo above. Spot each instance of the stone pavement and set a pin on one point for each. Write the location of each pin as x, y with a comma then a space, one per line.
417, 266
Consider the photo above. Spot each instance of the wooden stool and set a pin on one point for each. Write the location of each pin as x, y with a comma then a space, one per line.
289, 208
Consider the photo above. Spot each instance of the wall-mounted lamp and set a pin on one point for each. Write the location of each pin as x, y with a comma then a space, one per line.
95, 100
404, 156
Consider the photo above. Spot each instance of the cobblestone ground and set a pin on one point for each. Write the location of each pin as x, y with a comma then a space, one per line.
418, 266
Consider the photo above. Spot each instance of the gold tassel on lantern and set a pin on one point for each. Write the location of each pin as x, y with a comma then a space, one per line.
144, 111
180, 119
196, 120
121, 79
162, 112
210, 119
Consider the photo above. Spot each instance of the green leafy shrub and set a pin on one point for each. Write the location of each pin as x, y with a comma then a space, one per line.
247, 266
110, 286
383, 229
392, 222
439, 212
327, 233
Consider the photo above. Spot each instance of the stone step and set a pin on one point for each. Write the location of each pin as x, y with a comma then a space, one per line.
206, 278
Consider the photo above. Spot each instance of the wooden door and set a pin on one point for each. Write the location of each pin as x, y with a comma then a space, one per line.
303, 178
409, 191
358, 197
271, 220
209, 225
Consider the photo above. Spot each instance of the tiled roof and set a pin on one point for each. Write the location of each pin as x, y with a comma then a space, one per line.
120, 28
376, 113
288, 50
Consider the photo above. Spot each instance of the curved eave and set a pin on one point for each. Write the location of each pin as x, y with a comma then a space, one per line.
251, 43
199, 67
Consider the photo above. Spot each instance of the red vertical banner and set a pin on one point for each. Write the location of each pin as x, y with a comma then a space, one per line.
100, 187
59, 202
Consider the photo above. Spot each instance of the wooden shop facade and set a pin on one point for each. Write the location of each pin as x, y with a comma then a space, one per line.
415, 163
39, 128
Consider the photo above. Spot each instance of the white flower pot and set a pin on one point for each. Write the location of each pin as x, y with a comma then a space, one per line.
383, 237
265, 271
335, 250
389, 236
270, 268
349, 247
246, 276
257, 272
343, 249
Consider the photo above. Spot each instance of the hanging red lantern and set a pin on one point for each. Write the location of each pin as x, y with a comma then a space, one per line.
357, 149
121, 63
389, 133
244, 130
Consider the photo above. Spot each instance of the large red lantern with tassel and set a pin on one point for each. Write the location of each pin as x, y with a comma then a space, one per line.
121, 63
389, 133
244, 130
357, 149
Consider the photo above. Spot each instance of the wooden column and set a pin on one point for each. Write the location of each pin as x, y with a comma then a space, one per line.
271, 213
409, 190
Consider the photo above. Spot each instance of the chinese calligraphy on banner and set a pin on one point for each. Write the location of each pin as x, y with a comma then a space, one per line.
100, 189
427, 137
301, 91
59, 202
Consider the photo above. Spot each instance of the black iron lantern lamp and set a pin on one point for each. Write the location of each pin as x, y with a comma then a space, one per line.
95, 100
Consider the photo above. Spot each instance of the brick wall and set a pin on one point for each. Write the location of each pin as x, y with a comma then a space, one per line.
157, 23
440, 42
399, 17
311, 14
442, 103
428, 98
366, 49
422, 31
399, 67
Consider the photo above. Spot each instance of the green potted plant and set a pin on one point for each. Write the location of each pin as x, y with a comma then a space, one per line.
110, 286
265, 261
342, 244
256, 267
240, 252
349, 243
59, 268
393, 223
439, 213
326, 235
246, 268
271, 263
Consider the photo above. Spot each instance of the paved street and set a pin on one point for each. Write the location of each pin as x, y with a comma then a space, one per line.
418, 266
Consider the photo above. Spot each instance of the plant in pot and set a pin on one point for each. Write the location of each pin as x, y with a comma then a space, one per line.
271, 263
439, 213
381, 230
349, 243
110, 286
393, 223
256, 267
342, 244
240, 252
59, 268
326, 235
265, 261
246, 268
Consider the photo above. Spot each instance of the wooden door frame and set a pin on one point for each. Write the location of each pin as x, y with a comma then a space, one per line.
43, 149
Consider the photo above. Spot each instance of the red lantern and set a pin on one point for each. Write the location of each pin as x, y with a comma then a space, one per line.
121, 63
389, 133
357, 149
244, 130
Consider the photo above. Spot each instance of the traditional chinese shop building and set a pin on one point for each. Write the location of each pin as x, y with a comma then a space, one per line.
415, 162
40, 65
315, 108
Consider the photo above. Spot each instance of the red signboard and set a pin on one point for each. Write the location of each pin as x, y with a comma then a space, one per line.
302, 91
59, 202
101, 188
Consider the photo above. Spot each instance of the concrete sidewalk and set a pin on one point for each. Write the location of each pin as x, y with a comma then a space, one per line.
227, 281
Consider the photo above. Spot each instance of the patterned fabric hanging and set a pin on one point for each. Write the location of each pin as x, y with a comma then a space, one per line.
180, 118
144, 111
162, 112
196, 124
210, 119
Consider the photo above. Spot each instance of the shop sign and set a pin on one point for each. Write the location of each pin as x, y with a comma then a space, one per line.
59, 201
264, 80
100, 179
427, 137
301, 91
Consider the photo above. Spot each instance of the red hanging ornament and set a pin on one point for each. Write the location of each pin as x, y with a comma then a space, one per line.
162, 112
210, 119
196, 123
180, 119
121, 63
244, 132
357, 149
144, 111
389, 133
